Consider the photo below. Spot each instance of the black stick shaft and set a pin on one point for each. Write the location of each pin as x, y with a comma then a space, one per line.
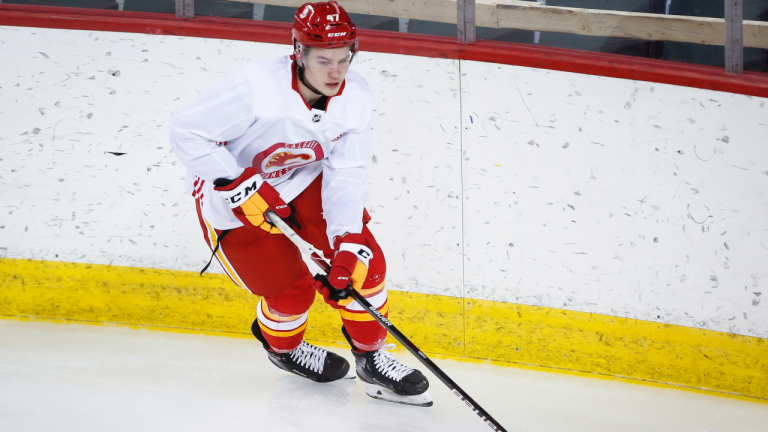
381, 319
410, 346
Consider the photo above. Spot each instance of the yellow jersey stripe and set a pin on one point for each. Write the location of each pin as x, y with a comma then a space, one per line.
374, 290
223, 258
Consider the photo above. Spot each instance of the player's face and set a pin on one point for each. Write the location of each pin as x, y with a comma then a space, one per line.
325, 69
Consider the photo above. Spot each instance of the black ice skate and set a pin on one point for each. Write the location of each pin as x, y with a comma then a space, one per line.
307, 360
387, 379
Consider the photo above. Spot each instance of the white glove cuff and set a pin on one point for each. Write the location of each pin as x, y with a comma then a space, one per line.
363, 253
245, 190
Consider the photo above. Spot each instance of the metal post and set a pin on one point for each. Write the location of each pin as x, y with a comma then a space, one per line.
655, 48
402, 24
120, 4
537, 34
185, 8
465, 21
734, 36
258, 11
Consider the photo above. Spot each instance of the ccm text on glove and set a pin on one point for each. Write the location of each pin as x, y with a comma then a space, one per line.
249, 197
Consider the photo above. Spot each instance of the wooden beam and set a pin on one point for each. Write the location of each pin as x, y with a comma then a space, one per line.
633, 25
443, 11
522, 15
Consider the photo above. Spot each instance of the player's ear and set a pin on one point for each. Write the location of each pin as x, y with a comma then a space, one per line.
299, 51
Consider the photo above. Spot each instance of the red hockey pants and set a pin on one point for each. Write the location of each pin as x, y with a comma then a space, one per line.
270, 266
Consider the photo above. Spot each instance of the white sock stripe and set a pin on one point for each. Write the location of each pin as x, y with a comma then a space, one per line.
363, 253
280, 326
377, 301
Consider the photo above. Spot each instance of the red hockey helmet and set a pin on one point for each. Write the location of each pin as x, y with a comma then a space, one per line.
323, 25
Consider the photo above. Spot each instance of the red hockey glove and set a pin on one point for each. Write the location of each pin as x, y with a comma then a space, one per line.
350, 265
250, 197
337, 298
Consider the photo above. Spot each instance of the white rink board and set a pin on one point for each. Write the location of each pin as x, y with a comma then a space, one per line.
617, 197
64, 105
66, 199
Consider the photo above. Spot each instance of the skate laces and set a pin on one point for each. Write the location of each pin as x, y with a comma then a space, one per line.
388, 365
309, 356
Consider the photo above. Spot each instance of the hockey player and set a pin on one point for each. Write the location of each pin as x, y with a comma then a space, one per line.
293, 134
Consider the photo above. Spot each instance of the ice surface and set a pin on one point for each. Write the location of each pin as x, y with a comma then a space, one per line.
79, 377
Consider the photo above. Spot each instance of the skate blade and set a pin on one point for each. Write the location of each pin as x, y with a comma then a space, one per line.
350, 375
381, 393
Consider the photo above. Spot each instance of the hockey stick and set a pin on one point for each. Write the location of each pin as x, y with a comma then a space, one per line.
309, 250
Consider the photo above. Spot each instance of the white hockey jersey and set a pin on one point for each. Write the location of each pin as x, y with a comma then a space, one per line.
256, 117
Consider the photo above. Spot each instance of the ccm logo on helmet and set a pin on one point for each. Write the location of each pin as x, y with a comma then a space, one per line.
337, 34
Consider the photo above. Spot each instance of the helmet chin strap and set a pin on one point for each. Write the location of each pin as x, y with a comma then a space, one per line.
300, 71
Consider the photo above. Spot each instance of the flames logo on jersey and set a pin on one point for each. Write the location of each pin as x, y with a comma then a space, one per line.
286, 158
281, 158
